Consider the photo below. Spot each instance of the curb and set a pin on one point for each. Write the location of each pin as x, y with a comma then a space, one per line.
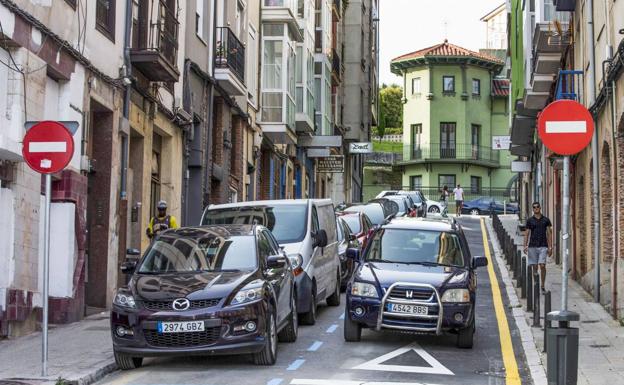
86, 379
532, 355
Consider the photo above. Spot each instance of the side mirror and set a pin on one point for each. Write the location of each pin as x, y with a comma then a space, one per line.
478, 261
128, 267
276, 261
320, 238
133, 252
353, 254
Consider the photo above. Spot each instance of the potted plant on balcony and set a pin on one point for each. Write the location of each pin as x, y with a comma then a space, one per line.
221, 59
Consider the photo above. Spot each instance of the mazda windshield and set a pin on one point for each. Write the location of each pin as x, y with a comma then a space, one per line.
175, 254
410, 246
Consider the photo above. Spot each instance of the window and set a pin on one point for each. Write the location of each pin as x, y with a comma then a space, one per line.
199, 18
252, 62
476, 87
415, 86
416, 141
475, 185
446, 180
447, 140
105, 17
72, 3
448, 83
474, 140
416, 182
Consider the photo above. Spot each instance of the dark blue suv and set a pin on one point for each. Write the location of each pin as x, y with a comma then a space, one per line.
416, 275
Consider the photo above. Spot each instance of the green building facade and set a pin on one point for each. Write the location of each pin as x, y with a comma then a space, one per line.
454, 106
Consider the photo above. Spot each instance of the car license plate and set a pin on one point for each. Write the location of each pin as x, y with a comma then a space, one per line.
180, 327
408, 309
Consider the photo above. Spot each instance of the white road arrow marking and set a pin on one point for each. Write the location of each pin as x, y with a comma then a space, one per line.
47, 147
566, 127
435, 366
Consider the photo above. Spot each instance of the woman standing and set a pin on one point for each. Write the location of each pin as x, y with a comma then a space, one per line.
444, 200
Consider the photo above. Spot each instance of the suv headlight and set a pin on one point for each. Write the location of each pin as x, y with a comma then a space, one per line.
247, 295
124, 300
296, 261
456, 295
364, 290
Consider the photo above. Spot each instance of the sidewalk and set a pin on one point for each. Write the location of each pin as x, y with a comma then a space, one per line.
79, 353
601, 342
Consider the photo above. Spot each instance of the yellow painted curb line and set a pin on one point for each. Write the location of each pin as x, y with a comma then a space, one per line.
509, 358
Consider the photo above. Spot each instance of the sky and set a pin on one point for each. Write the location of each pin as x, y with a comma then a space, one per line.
409, 25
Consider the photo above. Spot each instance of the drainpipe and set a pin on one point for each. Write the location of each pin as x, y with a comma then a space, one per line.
591, 96
614, 163
126, 105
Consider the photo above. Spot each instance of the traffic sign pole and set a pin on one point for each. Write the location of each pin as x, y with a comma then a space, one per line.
565, 231
46, 273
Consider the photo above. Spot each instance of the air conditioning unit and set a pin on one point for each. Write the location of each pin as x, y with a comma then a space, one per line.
184, 115
86, 164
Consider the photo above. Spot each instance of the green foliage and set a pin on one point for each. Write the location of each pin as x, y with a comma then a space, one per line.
381, 146
391, 105
394, 130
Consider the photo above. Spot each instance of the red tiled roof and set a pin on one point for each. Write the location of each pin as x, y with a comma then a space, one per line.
446, 49
500, 87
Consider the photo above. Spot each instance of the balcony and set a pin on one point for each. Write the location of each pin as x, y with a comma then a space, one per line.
336, 68
337, 9
156, 54
282, 11
459, 153
229, 62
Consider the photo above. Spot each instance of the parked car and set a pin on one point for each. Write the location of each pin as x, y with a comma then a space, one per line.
487, 205
306, 228
204, 291
404, 203
361, 227
434, 207
417, 198
390, 207
346, 240
374, 211
416, 275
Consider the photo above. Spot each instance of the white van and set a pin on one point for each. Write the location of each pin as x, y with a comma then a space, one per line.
306, 229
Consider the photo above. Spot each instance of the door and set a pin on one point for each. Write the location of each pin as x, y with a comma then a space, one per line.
447, 140
317, 257
331, 264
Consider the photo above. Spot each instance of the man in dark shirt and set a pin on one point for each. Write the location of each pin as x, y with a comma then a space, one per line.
538, 241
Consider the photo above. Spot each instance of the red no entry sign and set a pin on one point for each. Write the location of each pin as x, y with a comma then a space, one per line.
565, 127
48, 147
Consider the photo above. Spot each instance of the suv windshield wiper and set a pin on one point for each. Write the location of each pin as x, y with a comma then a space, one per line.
406, 263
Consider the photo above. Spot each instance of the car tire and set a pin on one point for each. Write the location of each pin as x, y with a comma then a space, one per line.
465, 337
334, 299
475, 212
352, 330
289, 332
125, 362
268, 355
309, 318
434, 210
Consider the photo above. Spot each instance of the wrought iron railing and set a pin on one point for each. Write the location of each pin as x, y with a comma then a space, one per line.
230, 52
336, 63
163, 34
450, 151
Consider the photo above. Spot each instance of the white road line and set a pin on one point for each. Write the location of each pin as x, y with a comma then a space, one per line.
566, 127
332, 328
295, 365
435, 367
275, 381
314, 347
341, 316
300, 381
47, 147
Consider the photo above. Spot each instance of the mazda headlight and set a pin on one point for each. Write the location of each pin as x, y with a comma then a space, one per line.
247, 295
362, 289
456, 295
124, 300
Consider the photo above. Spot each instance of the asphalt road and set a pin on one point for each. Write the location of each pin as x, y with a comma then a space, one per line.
322, 357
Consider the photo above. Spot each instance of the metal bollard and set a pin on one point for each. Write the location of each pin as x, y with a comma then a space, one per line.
517, 264
523, 275
529, 287
536, 300
563, 346
547, 323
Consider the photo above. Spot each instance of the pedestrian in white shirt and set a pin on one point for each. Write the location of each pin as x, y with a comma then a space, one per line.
459, 199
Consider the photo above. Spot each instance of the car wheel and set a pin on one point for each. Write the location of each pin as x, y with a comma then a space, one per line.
334, 299
309, 318
434, 209
475, 212
125, 362
289, 333
352, 330
465, 336
268, 354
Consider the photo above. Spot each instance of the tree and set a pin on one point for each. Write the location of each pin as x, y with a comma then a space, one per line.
381, 127
391, 105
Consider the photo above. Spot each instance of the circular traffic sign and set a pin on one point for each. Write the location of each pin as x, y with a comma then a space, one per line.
565, 127
48, 147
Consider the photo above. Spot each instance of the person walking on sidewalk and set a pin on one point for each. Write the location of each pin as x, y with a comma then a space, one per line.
538, 241
459, 199
161, 221
444, 197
